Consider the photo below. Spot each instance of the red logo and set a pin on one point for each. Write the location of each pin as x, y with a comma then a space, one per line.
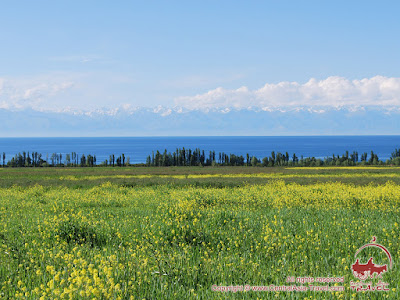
370, 269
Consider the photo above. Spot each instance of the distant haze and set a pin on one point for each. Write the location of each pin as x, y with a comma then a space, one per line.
135, 68
180, 122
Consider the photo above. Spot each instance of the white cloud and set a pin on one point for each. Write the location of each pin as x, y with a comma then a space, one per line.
163, 111
81, 93
331, 92
67, 91
77, 58
35, 93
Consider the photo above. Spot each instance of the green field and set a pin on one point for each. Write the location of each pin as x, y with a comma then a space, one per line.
173, 233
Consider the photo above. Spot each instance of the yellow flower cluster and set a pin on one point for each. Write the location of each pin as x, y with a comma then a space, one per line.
171, 242
275, 176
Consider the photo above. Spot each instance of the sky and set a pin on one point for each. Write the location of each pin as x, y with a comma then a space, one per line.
99, 57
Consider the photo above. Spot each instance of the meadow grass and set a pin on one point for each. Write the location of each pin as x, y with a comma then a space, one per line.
200, 176
173, 233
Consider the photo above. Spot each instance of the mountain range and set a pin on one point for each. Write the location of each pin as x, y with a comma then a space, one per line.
179, 121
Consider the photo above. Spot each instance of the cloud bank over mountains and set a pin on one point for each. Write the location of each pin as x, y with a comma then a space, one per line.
335, 106
67, 94
331, 92
41, 93
167, 122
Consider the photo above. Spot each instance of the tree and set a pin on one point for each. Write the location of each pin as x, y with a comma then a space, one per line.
295, 159
158, 159
254, 161
68, 159
371, 159
53, 159
28, 160
90, 160
273, 158
83, 160
165, 158
73, 158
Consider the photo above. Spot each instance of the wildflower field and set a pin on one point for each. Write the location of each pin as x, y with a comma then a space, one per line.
174, 233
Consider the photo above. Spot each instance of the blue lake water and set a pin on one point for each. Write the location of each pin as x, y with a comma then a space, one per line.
138, 148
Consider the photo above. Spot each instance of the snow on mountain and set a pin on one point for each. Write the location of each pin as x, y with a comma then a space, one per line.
134, 121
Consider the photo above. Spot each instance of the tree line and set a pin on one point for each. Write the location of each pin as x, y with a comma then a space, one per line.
35, 159
197, 157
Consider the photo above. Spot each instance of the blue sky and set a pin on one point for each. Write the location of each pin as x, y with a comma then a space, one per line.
72, 56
